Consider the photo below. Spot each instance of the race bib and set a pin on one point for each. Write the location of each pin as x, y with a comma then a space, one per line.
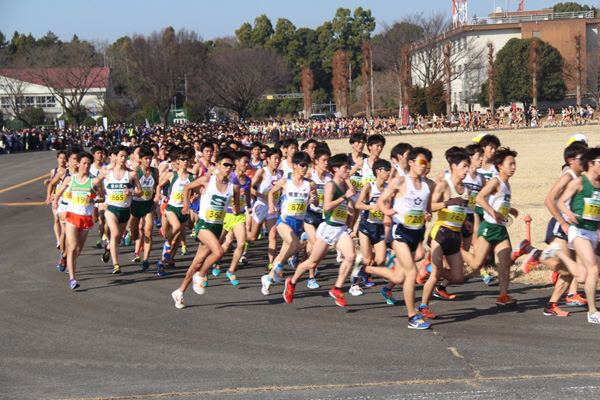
79, 200
178, 196
356, 182
504, 209
375, 215
214, 216
118, 197
455, 216
591, 209
414, 219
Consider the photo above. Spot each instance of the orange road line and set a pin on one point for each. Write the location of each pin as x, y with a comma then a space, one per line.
24, 183
34, 203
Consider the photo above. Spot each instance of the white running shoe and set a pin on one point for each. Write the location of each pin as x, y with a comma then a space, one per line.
355, 290
278, 274
178, 298
197, 283
340, 256
550, 252
266, 285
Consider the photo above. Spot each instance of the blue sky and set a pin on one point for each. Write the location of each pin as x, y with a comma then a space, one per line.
111, 19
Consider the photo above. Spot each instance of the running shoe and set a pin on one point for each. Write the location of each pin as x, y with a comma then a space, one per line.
388, 296
136, 257
184, 251
338, 296
246, 247
425, 312
368, 280
443, 294
355, 290
504, 300
594, 318
531, 261
193, 234
157, 223
62, 264
423, 275
340, 257
232, 278
116, 269
553, 277
141, 247
216, 271
553, 309
303, 237
166, 253
519, 250
390, 259
243, 259
178, 298
266, 285
417, 322
293, 261
312, 284
127, 239
198, 283
171, 263
74, 284
98, 244
144, 266
106, 254
550, 252
278, 274
160, 268
487, 278
205, 280
575, 300
288, 291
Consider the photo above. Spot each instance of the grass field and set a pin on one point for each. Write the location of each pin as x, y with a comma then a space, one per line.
539, 161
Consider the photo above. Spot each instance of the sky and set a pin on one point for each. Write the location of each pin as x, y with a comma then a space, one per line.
109, 20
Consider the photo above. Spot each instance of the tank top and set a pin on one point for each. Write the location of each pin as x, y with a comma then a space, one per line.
66, 194
400, 170
499, 202
339, 215
374, 216
453, 217
176, 189
474, 185
267, 183
295, 199
356, 180
368, 175
78, 193
213, 203
115, 188
94, 172
488, 173
574, 176
410, 209
587, 204
287, 169
320, 190
147, 183
244, 193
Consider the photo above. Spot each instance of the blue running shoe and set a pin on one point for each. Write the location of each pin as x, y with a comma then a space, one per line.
303, 237
487, 278
157, 223
388, 296
417, 322
160, 268
293, 261
216, 269
166, 253
62, 264
232, 278
74, 284
312, 284
144, 266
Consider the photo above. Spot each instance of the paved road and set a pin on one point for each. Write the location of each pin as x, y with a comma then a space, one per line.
121, 337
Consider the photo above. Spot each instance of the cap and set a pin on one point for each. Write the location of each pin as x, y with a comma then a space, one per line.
578, 137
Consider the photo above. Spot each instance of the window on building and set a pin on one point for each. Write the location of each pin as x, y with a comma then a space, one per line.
536, 34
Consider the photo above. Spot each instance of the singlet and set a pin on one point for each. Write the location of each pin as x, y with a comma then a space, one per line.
320, 190
368, 175
453, 217
269, 180
244, 193
474, 185
256, 166
356, 180
499, 202
410, 209
94, 172
114, 190
213, 203
587, 204
287, 169
569, 171
176, 189
66, 194
147, 183
400, 171
488, 173
295, 199
78, 193
373, 216
339, 215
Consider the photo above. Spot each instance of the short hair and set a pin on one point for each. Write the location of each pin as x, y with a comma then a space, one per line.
452, 151
73, 150
307, 143
272, 151
225, 153
400, 149
241, 154
321, 150
415, 151
374, 139
287, 142
121, 148
473, 148
501, 155
381, 163
206, 145
96, 148
84, 154
592, 154
58, 153
255, 144
489, 140
357, 137
146, 152
338, 161
300, 157
573, 150
457, 158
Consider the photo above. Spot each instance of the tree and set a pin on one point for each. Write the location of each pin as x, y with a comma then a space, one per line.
237, 78
491, 73
513, 79
160, 63
367, 74
418, 100
13, 90
575, 70
259, 35
534, 68
308, 81
571, 6
340, 81
434, 97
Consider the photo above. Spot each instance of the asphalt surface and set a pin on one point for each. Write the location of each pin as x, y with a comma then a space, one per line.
120, 336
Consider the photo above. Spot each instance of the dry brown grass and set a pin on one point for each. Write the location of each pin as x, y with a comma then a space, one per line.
539, 161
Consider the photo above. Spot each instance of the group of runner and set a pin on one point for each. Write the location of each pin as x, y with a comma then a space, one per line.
230, 191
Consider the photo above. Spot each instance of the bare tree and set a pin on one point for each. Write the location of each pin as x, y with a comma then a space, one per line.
579, 68
367, 73
448, 76
406, 76
308, 82
534, 67
340, 81
159, 64
491, 74
592, 81
13, 85
238, 77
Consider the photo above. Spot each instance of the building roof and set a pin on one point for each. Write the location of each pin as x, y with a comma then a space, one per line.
61, 78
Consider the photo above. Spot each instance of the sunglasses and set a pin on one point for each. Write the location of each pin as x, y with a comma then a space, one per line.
303, 165
386, 169
184, 159
227, 165
263, 152
421, 161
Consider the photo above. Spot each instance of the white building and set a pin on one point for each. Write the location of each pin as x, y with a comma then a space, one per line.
21, 88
